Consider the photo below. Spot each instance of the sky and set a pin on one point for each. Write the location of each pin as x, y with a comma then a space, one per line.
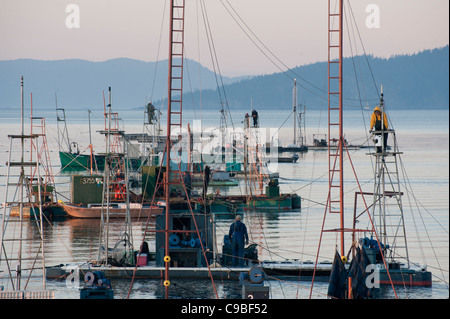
288, 33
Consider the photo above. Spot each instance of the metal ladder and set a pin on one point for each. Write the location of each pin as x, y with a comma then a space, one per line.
13, 234
387, 208
44, 157
335, 201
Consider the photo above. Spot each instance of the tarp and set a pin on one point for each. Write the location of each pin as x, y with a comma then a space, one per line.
338, 279
338, 284
357, 272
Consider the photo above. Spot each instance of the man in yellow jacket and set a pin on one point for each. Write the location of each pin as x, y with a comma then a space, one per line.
375, 122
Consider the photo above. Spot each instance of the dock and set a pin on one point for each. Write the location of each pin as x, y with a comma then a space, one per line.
146, 272
274, 270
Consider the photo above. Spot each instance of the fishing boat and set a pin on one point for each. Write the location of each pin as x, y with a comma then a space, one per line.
378, 254
321, 144
69, 153
283, 159
115, 210
383, 257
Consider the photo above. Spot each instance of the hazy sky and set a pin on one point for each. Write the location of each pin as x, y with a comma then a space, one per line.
295, 31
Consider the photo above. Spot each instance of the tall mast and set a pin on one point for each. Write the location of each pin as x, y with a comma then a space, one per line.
294, 102
335, 202
174, 107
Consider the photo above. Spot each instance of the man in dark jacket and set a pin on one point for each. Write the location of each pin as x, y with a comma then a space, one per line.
238, 236
255, 118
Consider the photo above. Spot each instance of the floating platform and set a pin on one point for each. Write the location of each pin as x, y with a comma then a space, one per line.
333, 147
271, 269
297, 270
146, 272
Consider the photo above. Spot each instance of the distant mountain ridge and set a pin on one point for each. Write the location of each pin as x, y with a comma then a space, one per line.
414, 81
80, 83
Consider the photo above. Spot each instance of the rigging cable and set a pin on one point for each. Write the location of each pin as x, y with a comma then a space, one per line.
157, 52
285, 72
214, 59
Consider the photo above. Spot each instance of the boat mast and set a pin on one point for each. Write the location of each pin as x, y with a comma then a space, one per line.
294, 100
174, 108
335, 203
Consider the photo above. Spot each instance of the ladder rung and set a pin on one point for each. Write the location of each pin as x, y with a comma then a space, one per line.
23, 136
21, 163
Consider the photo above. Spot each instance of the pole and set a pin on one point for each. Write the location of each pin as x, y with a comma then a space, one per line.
341, 126
22, 176
294, 99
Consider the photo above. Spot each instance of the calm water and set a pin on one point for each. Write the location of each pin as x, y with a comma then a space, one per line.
423, 137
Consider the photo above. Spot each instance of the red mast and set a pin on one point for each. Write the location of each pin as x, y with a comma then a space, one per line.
335, 203
174, 107
335, 199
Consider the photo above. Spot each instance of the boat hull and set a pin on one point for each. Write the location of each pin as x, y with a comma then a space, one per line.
75, 211
80, 161
406, 277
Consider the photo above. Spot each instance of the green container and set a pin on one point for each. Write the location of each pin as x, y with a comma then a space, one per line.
272, 191
149, 176
280, 203
87, 189
234, 167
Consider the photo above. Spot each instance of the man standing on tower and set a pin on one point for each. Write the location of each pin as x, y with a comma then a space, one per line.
375, 121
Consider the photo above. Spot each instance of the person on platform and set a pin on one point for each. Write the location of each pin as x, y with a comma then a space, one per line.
239, 237
375, 122
255, 118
